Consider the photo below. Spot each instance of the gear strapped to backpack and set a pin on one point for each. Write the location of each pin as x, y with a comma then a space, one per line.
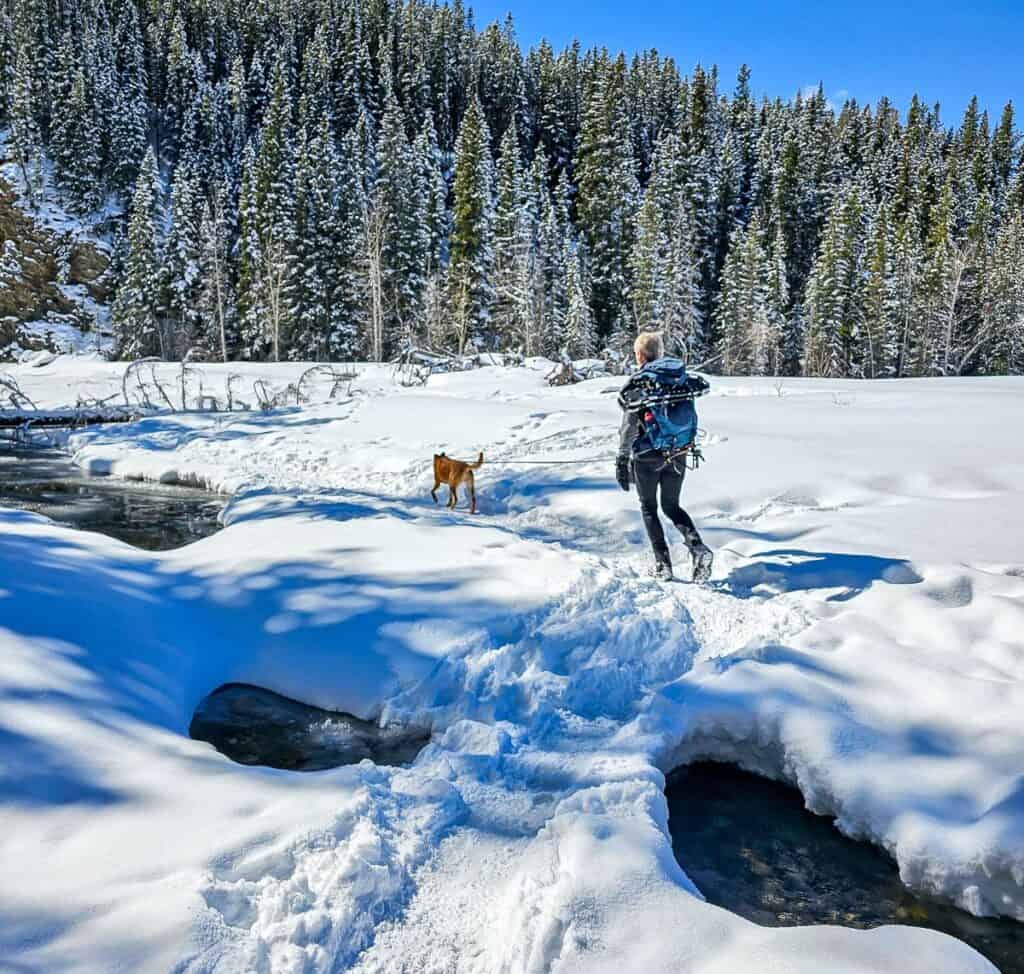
662, 393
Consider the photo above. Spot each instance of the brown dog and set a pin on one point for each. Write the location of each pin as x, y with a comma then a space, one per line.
455, 472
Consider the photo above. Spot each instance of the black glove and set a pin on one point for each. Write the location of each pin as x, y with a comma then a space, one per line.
622, 472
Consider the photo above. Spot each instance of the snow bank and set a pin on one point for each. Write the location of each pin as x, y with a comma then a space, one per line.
861, 639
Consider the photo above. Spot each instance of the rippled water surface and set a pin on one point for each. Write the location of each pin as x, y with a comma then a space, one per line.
251, 725
150, 516
750, 846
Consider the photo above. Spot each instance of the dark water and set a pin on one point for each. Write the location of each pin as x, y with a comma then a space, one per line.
150, 516
750, 846
251, 725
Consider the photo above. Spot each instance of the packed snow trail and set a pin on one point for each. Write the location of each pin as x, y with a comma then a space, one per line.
560, 683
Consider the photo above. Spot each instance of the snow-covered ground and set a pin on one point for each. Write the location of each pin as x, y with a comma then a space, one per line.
861, 638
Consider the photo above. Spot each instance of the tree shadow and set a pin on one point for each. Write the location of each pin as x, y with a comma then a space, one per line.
23, 932
35, 772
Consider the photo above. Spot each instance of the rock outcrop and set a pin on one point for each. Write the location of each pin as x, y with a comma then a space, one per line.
54, 285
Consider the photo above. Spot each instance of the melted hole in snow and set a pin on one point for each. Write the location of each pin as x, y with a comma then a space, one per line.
251, 725
751, 846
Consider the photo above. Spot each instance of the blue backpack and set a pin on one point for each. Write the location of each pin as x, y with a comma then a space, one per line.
662, 393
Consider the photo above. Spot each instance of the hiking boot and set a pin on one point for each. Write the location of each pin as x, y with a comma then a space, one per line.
662, 571
703, 558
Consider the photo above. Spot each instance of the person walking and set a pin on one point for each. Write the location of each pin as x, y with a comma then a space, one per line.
659, 424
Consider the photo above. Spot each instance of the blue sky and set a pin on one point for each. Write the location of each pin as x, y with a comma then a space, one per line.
944, 51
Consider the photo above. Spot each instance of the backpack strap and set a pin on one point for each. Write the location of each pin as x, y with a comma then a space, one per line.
645, 390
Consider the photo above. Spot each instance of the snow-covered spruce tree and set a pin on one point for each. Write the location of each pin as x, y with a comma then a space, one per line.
315, 320
698, 141
833, 303
665, 271
749, 340
1004, 301
945, 290
681, 316
129, 125
63, 137
249, 293
879, 303
608, 191
26, 139
647, 266
349, 327
1003, 144
551, 267
470, 290
824, 302
432, 189
779, 331
578, 334
181, 269
216, 307
906, 315
402, 198
138, 305
518, 311
7, 58
267, 230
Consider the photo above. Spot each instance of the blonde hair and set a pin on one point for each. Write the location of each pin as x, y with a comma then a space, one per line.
649, 345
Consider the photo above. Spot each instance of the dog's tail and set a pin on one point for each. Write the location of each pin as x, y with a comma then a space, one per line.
479, 462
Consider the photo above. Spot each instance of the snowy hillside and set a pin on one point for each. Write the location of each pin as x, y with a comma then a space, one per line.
860, 639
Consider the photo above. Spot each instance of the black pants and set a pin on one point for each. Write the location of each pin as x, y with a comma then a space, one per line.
653, 473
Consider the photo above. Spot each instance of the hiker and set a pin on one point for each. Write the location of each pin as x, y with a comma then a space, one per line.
659, 424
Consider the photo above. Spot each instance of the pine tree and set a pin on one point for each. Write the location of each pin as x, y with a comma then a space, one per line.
182, 275
749, 328
607, 193
348, 326
835, 341
8, 56
26, 139
470, 291
129, 125
647, 266
403, 199
267, 219
905, 330
249, 295
217, 325
779, 332
138, 320
578, 332
879, 323
517, 319
1004, 303
552, 244
943, 283
314, 291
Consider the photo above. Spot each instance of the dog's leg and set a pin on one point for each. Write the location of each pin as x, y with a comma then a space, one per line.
453, 496
472, 493
433, 493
